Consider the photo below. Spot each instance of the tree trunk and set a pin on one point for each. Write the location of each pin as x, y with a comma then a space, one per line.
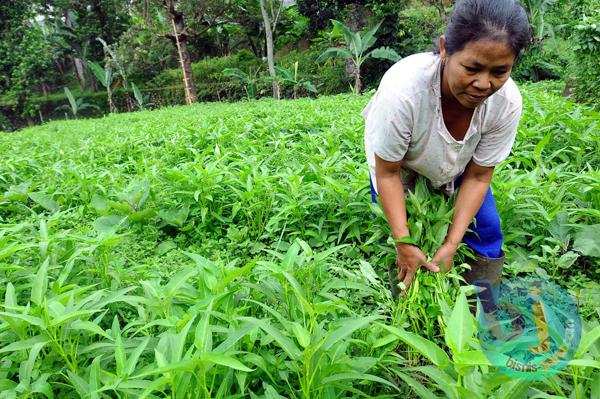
77, 62
179, 39
357, 82
439, 4
270, 52
111, 104
255, 48
358, 18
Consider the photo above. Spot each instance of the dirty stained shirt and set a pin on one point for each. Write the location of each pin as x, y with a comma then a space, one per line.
404, 122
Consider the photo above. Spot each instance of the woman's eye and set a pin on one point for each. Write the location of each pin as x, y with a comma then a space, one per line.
471, 69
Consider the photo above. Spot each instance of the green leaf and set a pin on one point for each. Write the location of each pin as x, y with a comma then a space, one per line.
514, 389
386, 53
120, 358
10, 297
343, 29
302, 335
24, 344
102, 75
425, 347
460, 327
333, 52
45, 200
90, 327
420, 389
587, 340
184, 365
346, 328
567, 259
174, 216
26, 368
109, 224
203, 340
72, 101
369, 38
176, 281
357, 377
224, 360
236, 73
468, 358
82, 387
136, 194
586, 240
40, 283
286, 344
584, 363
135, 356
95, 377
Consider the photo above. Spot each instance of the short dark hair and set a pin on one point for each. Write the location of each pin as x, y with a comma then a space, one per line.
498, 20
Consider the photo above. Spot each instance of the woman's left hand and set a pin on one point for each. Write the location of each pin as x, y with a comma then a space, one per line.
444, 257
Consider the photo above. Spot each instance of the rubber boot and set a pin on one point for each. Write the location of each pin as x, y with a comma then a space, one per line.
485, 273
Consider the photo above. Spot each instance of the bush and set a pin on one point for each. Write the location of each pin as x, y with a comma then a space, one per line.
213, 85
586, 69
541, 62
5, 124
417, 28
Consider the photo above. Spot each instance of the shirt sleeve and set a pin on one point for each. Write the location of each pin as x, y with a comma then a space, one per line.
496, 144
389, 119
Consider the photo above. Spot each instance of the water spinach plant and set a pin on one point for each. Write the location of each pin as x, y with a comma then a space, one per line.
229, 251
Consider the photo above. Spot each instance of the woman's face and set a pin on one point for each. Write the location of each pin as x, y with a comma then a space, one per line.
477, 71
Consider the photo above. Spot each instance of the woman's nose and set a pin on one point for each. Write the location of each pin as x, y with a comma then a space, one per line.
482, 83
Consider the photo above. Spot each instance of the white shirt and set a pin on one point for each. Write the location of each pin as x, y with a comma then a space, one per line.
404, 122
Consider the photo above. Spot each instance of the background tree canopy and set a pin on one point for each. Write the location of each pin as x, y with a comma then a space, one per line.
166, 48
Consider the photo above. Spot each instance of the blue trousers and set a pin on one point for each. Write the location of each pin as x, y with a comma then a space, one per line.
485, 237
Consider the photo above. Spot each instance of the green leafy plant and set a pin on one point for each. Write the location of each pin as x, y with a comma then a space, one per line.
76, 105
105, 77
141, 101
357, 50
249, 80
291, 78
587, 48
231, 252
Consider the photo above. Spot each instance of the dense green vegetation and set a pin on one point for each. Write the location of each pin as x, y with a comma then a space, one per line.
47, 45
228, 250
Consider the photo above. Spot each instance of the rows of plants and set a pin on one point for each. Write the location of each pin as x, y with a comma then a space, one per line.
229, 250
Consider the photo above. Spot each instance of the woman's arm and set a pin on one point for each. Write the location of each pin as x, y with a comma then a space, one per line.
391, 192
475, 184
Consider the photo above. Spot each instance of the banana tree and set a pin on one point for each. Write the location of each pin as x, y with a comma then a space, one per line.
76, 105
105, 77
249, 80
536, 9
287, 77
357, 50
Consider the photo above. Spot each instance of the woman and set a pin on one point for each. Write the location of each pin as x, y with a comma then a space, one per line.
450, 116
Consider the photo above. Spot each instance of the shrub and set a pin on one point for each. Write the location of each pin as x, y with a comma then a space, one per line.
541, 62
417, 28
5, 124
586, 69
213, 85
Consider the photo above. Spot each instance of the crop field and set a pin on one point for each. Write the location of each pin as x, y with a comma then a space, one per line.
230, 251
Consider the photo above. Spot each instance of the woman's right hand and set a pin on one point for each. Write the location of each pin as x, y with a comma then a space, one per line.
408, 259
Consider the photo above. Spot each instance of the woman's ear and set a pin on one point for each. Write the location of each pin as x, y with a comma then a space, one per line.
442, 45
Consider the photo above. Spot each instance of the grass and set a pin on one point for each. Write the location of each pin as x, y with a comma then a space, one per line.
228, 250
